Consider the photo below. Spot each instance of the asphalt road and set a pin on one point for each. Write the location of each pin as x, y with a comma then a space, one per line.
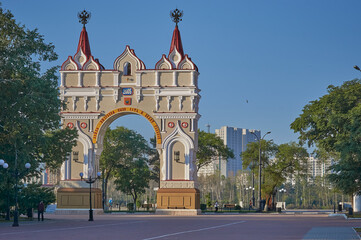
208, 227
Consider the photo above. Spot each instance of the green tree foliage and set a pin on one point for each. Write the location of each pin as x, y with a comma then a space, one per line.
278, 163
31, 195
133, 178
333, 123
121, 147
154, 161
210, 147
29, 116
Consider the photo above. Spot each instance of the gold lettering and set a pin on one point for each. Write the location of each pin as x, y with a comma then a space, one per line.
128, 109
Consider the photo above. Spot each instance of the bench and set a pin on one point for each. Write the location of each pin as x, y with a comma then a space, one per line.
147, 205
229, 206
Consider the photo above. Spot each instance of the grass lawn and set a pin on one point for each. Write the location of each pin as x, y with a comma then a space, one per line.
354, 215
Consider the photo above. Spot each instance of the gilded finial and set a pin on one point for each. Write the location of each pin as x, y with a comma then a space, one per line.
84, 17
176, 16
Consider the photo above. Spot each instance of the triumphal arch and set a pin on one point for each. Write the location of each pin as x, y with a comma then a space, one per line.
166, 95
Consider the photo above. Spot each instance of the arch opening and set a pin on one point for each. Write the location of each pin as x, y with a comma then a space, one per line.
108, 118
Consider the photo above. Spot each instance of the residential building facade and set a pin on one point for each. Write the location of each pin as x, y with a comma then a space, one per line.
236, 139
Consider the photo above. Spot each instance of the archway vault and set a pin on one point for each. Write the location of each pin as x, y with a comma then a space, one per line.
101, 126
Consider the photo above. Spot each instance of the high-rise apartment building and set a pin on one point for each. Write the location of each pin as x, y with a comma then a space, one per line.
317, 168
235, 139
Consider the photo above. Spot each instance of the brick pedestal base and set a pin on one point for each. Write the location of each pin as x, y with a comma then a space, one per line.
178, 198
78, 198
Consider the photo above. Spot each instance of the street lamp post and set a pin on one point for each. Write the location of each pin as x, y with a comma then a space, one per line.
16, 174
253, 198
5, 166
90, 181
260, 169
282, 190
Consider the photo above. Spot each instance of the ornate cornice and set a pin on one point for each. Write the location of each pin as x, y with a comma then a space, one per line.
80, 115
177, 115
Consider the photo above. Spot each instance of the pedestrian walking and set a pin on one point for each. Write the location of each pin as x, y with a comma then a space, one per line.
41, 211
216, 206
250, 205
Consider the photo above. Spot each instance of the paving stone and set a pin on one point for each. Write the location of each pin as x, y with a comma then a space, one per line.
331, 233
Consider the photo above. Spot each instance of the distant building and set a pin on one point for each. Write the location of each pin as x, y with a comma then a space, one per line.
317, 168
237, 140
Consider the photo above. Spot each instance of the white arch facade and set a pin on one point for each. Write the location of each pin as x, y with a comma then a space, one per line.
178, 135
167, 96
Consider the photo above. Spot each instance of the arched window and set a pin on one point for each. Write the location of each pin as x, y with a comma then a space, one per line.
127, 69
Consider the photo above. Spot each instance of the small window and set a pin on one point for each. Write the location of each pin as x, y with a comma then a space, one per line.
177, 156
127, 69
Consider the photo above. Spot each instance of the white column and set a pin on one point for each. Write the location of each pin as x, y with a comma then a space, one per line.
74, 102
156, 74
91, 125
139, 79
62, 79
162, 126
192, 125
116, 79
192, 102
80, 79
169, 99
156, 103
180, 102
193, 79
97, 102
97, 79
85, 103
175, 78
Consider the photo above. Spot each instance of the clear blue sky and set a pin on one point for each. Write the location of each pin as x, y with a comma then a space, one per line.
278, 55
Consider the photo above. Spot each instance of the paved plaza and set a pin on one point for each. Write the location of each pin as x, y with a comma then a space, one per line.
148, 227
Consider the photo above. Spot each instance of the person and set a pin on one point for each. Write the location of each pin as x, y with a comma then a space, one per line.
41, 211
216, 206
250, 205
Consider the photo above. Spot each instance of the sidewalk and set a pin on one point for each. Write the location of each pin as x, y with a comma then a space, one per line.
332, 233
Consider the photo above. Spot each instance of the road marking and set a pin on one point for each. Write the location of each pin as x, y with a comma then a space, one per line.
69, 228
196, 230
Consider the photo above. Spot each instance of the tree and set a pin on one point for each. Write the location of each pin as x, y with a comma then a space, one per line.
278, 163
154, 161
32, 194
29, 117
333, 123
121, 146
133, 178
210, 146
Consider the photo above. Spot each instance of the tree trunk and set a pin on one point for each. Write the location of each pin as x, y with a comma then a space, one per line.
106, 191
135, 201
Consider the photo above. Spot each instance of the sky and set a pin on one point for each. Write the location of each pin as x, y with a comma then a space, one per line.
260, 61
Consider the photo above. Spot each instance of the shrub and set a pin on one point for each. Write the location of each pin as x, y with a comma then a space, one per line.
130, 206
203, 207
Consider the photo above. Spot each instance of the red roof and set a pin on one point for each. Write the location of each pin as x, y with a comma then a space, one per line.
84, 43
176, 42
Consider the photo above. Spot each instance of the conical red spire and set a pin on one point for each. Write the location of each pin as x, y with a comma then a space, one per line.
176, 42
84, 43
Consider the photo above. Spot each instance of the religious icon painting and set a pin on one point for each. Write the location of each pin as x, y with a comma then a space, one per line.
127, 101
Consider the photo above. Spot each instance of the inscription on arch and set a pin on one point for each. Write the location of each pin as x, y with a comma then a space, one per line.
128, 109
